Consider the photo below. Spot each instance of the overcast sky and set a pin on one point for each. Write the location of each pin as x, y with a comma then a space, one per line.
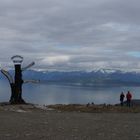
71, 34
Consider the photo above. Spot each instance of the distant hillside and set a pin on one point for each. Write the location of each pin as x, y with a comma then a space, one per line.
95, 78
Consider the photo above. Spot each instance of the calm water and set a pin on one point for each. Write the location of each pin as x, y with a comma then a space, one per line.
60, 94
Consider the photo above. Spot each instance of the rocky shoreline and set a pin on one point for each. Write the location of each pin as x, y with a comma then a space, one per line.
91, 108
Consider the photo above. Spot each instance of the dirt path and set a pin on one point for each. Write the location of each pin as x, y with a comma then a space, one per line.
54, 125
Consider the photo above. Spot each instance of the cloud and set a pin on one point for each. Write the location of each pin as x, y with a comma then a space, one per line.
53, 60
71, 35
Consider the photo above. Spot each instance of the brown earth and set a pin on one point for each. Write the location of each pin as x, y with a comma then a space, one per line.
28, 122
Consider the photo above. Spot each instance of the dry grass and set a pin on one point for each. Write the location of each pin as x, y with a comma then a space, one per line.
96, 108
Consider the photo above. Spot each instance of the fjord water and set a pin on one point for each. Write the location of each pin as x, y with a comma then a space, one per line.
62, 94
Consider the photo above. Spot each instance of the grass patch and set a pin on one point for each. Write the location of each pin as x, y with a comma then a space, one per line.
95, 108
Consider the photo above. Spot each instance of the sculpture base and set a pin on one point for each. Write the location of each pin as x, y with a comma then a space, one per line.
21, 101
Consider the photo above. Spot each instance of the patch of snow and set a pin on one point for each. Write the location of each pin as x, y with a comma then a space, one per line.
20, 111
43, 107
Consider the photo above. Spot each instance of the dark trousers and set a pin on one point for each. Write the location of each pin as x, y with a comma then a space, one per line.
121, 102
128, 103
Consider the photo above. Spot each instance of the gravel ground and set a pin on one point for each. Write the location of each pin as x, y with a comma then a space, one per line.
36, 124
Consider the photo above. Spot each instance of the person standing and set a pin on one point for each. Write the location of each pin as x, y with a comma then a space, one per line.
128, 97
122, 98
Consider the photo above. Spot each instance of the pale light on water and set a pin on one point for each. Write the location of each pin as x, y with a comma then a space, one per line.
5, 91
61, 94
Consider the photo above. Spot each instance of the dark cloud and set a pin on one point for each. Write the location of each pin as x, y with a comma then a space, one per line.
71, 35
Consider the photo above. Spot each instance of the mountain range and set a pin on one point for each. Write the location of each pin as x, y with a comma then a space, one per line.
101, 77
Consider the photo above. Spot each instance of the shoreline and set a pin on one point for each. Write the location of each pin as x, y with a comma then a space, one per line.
85, 108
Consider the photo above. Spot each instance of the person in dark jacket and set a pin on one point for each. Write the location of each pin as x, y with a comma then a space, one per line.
122, 98
128, 97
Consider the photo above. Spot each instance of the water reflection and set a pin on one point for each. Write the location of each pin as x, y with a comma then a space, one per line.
5, 92
58, 94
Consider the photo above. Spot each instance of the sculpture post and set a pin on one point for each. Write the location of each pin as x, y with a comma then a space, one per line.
16, 84
17, 87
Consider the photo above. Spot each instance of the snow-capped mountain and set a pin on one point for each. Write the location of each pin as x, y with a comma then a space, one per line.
102, 77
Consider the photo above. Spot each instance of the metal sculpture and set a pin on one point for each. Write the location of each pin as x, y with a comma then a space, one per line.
16, 84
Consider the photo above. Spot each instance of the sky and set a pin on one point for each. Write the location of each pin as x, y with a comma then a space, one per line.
68, 35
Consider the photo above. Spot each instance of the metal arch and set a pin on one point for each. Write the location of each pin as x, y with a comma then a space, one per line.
16, 56
28, 66
31, 81
7, 74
